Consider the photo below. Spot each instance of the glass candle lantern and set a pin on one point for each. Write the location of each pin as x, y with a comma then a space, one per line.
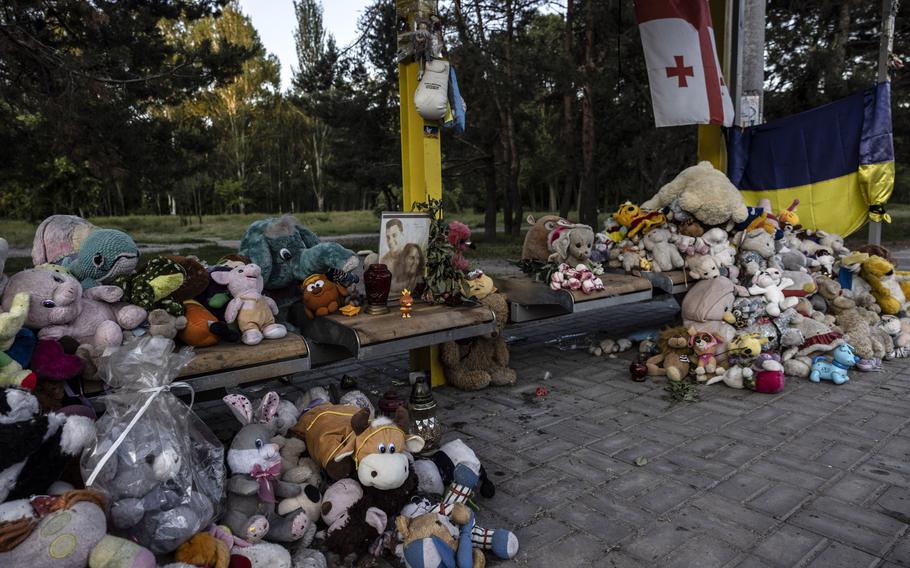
422, 411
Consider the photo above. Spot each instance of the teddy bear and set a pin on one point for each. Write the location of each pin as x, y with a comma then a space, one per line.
899, 330
664, 255
757, 251
59, 307
724, 254
253, 312
855, 322
707, 307
770, 283
36, 446
702, 267
674, 358
703, 192
478, 362
571, 243
432, 540
537, 241
255, 487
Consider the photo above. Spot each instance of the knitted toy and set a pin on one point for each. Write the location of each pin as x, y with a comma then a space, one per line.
703, 346
343, 439
36, 446
769, 283
287, 252
834, 369
460, 238
94, 256
321, 296
254, 313
571, 244
703, 192
664, 255
674, 359
432, 540
254, 486
59, 307
11, 372
638, 219
707, 306
477, 362
537, 241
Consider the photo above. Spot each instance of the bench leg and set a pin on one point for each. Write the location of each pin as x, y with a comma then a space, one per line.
427, 359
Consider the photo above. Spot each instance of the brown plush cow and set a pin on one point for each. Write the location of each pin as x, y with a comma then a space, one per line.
342, 439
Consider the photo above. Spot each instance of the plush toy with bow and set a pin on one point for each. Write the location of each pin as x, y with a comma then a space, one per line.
255, 485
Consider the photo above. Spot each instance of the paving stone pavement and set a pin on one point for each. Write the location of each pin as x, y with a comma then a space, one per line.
818, 475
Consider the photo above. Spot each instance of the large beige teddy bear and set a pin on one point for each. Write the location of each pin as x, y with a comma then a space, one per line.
703, 192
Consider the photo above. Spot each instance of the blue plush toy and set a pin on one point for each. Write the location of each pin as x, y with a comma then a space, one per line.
104, 255
287, 252
834, 370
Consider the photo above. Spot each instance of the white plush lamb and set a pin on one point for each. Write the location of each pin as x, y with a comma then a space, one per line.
664, 253
770, 283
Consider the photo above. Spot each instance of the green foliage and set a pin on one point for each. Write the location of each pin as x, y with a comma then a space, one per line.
445, 284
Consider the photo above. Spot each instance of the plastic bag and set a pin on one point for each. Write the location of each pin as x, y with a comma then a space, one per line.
161, 467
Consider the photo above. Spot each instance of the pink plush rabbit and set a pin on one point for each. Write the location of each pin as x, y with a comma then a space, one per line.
254, 313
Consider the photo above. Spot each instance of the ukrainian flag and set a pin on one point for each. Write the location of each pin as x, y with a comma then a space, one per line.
838, 160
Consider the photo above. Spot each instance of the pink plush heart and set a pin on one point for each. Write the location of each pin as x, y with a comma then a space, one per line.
50, 362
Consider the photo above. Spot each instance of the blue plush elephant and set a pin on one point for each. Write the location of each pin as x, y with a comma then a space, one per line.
288, 252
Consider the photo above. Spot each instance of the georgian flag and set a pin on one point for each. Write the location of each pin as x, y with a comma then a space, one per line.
686, 83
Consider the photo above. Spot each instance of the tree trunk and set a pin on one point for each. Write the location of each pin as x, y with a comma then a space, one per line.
514, 158
587, 203
568, 130
489, 216
553, 200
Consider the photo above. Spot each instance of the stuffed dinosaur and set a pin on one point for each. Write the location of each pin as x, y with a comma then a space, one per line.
152, 286
94, 256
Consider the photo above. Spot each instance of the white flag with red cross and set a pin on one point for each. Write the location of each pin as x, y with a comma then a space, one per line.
687, 86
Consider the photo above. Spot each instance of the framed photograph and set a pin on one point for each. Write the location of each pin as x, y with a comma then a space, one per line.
403, 248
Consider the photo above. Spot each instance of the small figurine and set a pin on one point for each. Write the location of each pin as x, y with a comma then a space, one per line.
405, 303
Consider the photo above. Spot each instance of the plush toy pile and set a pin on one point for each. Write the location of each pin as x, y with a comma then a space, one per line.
768, 297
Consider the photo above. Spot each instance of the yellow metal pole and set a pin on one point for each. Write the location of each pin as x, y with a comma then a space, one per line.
711, 145
421, 159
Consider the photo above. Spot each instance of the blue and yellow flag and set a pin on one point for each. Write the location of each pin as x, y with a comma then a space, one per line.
838, 160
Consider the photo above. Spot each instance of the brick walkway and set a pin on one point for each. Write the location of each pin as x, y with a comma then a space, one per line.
818, 475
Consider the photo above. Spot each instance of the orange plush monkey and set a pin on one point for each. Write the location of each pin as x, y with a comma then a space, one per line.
321, 296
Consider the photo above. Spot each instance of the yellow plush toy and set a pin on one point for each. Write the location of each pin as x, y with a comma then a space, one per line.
11, 372
637, 219
873, 271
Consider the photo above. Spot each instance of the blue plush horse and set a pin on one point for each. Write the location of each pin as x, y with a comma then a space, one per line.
834, 370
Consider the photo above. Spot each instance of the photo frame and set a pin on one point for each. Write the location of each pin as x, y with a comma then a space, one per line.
403, 239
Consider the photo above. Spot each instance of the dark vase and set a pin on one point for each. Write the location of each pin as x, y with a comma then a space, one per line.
389, 403
377, 280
